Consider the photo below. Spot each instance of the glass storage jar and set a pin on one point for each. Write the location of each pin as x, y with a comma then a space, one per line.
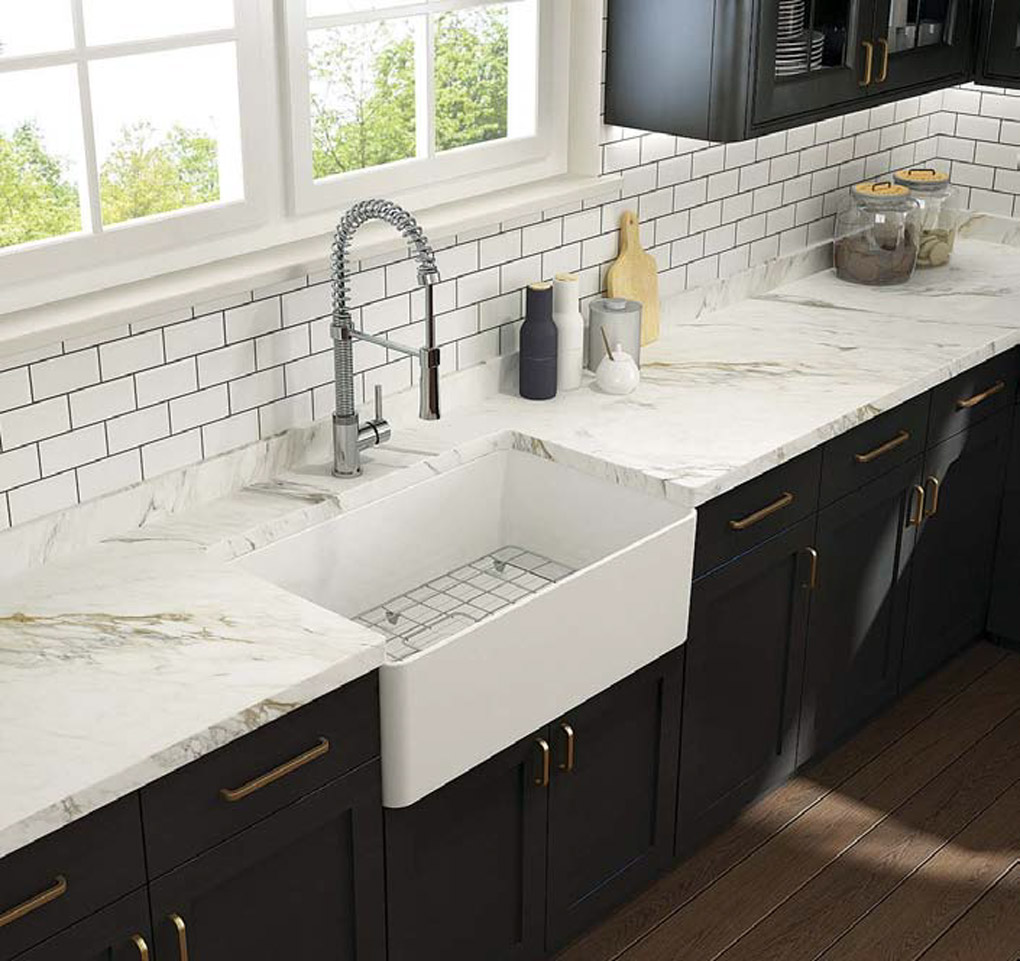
877, 235
934, 195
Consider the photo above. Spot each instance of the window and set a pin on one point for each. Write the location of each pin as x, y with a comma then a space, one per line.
117, 114
139, 138
390, 95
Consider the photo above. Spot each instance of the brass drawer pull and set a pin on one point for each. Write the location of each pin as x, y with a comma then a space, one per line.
568, 764
884, 75
898, 441
869, 62
238, 794
744, 523
917, 506
812, 582
143, 949
56, 890
933, 503
997, 388
543, 779
182, 936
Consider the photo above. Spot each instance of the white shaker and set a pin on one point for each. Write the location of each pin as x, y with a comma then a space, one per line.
570, 325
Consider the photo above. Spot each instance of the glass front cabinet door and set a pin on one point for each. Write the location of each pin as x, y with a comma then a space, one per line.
918, 41
811, 54
1000, 63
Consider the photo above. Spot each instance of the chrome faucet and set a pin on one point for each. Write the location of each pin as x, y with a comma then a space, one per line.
350, 437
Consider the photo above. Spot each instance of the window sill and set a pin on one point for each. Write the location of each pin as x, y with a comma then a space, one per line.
41, 314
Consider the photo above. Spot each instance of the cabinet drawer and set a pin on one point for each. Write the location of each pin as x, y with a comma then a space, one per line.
749, 515
233, 787
873, 449
69, 874
972, 396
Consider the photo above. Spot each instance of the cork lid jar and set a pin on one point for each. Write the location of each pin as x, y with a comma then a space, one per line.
877, 234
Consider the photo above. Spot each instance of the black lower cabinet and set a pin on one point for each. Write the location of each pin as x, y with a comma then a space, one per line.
612, 798
953, 560
465, 866
858, 608
745, 656
1004, 611
119, 932
304, 883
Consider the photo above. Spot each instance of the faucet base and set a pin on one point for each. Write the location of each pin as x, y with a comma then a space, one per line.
346, 450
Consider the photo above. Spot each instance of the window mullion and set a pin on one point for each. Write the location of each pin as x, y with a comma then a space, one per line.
93, 208
430, 84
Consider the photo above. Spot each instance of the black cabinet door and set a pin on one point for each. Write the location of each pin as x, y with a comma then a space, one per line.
920, 42
612, 802
952, 563
304, 883
465, 866
999, 57
859, 607
1004, 611
745, 653
815, 61
119, 932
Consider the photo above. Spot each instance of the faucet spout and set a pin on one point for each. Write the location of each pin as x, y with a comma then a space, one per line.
350, 437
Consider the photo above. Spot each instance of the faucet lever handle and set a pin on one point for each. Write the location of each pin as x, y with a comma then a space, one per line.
378, 402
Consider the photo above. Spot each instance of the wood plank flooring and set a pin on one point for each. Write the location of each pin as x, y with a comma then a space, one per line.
902, 845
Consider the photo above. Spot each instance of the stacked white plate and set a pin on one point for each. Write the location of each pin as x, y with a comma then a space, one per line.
791, 19
799, 53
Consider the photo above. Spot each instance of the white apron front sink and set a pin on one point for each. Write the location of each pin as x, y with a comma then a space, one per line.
512, 589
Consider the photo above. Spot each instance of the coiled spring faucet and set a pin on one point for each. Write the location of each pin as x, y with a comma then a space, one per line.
350, 437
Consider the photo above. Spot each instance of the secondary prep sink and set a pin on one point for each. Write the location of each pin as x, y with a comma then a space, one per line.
548, 585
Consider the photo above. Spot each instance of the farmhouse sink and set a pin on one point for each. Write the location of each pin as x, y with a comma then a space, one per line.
510, 589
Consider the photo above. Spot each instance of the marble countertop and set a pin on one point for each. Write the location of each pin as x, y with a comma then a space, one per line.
127, 659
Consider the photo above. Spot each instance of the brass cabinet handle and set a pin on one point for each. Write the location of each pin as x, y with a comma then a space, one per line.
543, 779
933, 503
238, 794
143, 949
812, 581
898, 441
56, 890
182, 936
997, 388
917, 508
869, 62
568, 764
745, 522
884, 75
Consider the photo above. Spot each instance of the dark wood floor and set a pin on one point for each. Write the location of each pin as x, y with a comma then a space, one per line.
903, 844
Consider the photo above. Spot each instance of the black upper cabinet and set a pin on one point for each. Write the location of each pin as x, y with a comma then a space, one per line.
952, 563
724, 70
999, 62
302, 884
612, 798
858, 612
745, 656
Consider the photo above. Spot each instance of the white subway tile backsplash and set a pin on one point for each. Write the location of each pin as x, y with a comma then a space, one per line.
24, 425
19, 467
285, 345
230, 433
308, 372
43, 497
171, 454
162, 383
314, 302
62, 375
193, 337
226, 364
69, 450
199, 408
257, 389
251, 320
15, 388
109, 475
137, 428
285, 414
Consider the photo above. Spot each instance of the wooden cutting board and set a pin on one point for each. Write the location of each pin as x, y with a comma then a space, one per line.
635, 276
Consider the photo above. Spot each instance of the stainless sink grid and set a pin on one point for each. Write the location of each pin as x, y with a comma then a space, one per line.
442, 607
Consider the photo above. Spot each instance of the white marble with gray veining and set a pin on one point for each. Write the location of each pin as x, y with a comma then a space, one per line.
124, 660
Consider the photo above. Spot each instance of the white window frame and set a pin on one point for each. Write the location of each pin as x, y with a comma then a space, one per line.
429, 181
78, 283
97, 244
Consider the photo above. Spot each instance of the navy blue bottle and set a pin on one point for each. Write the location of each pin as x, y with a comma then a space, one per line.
539, 345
